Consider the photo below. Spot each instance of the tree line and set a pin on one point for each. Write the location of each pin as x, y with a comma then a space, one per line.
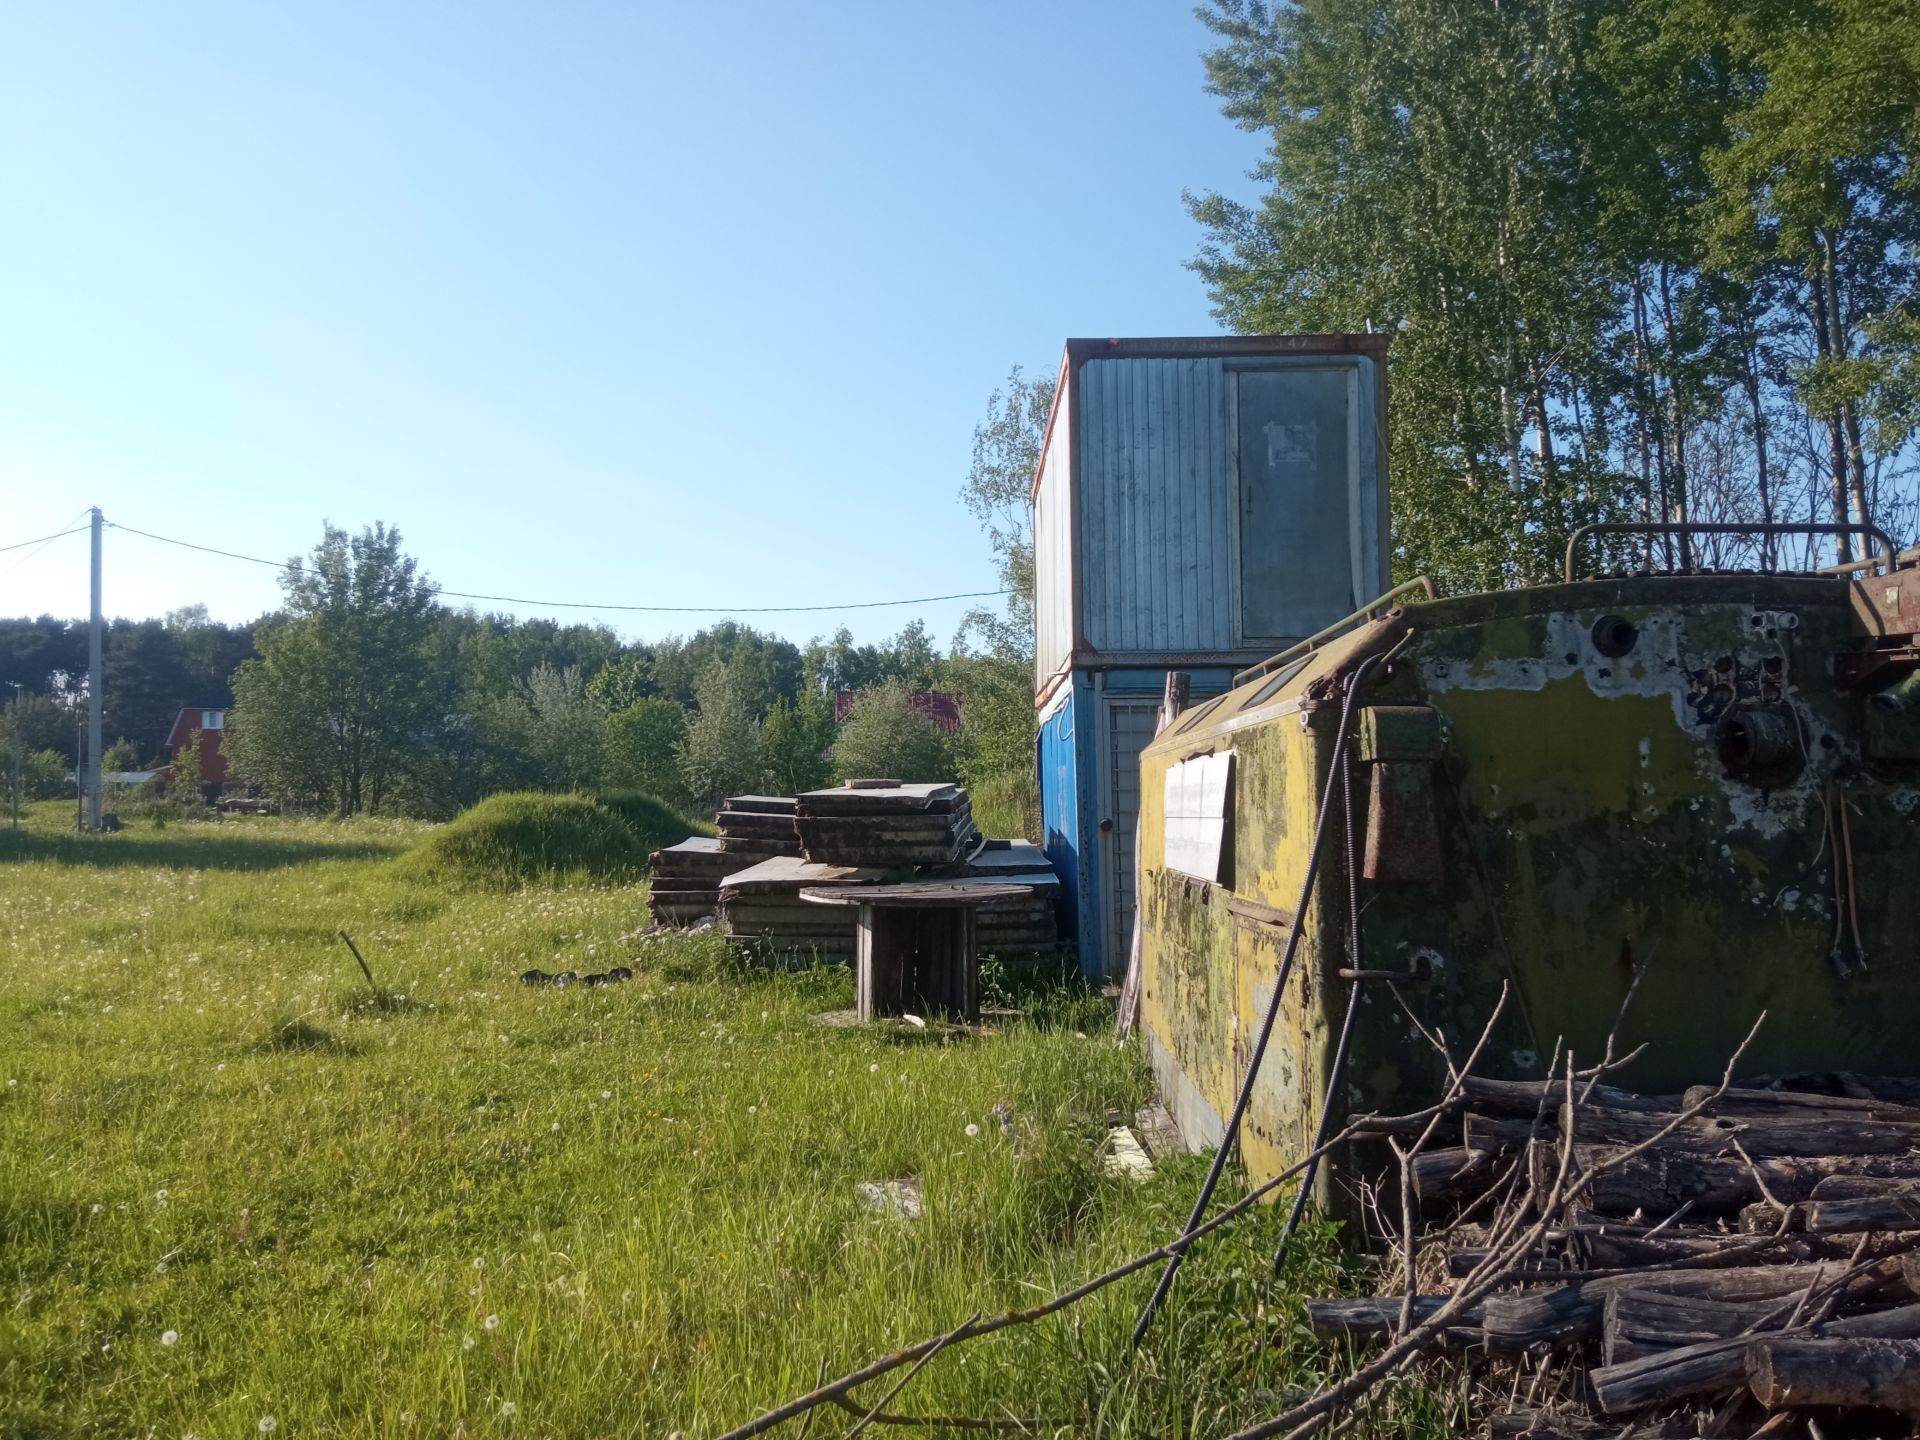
363, 693
1639, 259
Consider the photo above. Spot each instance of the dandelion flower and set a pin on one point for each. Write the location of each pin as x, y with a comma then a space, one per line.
508, 1409
169, 1337
873, 1069
492, 1322
479, 1263
221, 1066
268, 1425
972, 1130
554, 1126
753, 1109
763, 1014
11, 1083
606, 1094
97, 1209
466, 1342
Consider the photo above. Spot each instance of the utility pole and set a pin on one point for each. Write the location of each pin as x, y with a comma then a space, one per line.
18, 775
93, 688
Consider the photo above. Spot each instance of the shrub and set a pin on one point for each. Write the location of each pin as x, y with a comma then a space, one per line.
45, 775
525, 836
643, 747
883, 737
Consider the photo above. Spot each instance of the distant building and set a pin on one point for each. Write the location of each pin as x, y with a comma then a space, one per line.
938, 707
212, 725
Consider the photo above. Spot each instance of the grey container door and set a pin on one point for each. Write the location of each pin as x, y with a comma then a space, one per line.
1298, 500
1129, 731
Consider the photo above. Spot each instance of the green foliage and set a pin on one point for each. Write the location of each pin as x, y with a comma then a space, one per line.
122, 755
44, 775
622, 681
342, 696
187, 767
997, 724
527, 836
549, 733
1007, 805
795, 740
721, 754
1594, 231
652, 822
998, 494
643, 747
764, 667
883, 737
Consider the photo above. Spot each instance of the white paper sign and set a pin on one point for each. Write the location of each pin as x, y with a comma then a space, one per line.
1195, 811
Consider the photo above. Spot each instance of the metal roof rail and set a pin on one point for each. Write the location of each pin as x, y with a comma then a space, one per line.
1337, 629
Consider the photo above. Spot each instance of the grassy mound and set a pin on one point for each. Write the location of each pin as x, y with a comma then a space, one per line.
653, 824
512, 839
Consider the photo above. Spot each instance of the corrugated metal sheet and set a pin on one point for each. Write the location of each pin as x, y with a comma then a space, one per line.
1053, 510
1129, 730
1156, 490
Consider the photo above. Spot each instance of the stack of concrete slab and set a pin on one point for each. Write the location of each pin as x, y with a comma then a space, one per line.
685, 879
761, 909
1021, 929
883, 825
758, 826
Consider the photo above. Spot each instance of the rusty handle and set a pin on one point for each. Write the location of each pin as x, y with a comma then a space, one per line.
1718, 527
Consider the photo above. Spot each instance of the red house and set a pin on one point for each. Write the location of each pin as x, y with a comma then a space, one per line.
212, 725
938, 707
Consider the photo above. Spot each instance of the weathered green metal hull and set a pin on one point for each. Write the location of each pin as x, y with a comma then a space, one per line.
1706, 818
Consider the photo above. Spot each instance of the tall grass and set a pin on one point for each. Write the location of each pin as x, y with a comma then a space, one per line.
233, 1187
511, 839
1007, 806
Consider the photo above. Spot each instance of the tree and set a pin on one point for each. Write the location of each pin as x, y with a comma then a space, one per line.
643, 748
882, 736
187, 780
1593, 230
997, 725
796, 739
999, 494
551, 730
342, 698
721, 754
765, 667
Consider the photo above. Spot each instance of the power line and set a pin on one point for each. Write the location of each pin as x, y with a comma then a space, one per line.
586, 605
39, 545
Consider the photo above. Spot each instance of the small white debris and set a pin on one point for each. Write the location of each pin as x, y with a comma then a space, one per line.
1124, 1158
895, 1199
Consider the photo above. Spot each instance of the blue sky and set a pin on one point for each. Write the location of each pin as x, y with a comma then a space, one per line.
628, 303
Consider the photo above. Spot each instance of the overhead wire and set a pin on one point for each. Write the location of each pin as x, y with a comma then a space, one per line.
588, 605
45, 540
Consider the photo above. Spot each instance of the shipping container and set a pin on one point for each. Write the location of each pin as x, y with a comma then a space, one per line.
1198, 504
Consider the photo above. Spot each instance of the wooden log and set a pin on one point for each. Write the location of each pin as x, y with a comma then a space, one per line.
1758, 1135
1854, 1217
1600, 1250
1787, 1103
1639, 1322
1662, 1179
1380, 1315
1451, 1173
1717, 1366
1861, 1187
1523, 1098
1881, 1374
1567, 1314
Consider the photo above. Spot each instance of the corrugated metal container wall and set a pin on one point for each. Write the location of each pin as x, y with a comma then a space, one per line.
1053, 544
1060, 799
1156, 505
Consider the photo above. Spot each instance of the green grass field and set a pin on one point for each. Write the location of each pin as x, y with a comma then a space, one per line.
238, 1193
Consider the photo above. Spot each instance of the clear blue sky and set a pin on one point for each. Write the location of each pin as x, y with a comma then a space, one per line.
610, 302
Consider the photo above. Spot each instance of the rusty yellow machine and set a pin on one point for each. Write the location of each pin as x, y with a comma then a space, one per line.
1699, 790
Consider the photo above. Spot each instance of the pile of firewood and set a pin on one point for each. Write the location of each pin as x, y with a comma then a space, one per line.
1729, 1261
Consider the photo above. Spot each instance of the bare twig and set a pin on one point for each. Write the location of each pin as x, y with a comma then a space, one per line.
363, 964
907, 1379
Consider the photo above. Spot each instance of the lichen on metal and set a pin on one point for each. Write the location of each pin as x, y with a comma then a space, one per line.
1656, 785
